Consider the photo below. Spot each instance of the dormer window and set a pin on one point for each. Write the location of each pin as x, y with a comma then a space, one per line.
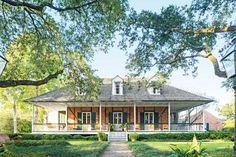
153, 89
80, 91
156, 91
117, 86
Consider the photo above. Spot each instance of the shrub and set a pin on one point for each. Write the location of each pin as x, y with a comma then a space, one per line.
101, 136
53, 137
193, 150
26, 143
186, 136
1, 149
133, 136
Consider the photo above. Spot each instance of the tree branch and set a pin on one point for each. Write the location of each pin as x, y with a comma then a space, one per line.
205, 30
43, 5
215, 63
13, 83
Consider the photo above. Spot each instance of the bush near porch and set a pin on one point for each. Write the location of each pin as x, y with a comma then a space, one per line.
212, 135
59, 148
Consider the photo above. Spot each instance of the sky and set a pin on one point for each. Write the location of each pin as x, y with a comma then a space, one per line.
205, 83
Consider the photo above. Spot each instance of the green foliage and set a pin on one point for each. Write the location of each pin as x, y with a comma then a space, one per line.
162, 148
27, 143
193, 150
133, 136
141, 150
54, 137
101, 136
59, 149
123, 126
58, 35
186, 136
24, 125
6, 125
111, 126
166, 40
1, 150
227, 111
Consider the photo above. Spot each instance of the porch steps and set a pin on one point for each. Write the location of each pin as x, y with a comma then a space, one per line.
118, 137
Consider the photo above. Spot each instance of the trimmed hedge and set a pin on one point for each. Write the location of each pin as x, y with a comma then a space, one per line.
53, 137
90, 149
26, 143
187, 136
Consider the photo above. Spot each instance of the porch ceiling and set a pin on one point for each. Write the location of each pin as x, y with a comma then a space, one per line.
174, 105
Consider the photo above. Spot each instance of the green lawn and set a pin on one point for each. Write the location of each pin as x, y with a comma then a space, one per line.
73, 149
162, 149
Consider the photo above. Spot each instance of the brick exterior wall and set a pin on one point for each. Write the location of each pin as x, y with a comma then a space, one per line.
73, 111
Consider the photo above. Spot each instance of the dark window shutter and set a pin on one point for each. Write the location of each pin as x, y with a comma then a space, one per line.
124, 117
155, 120
141, 120
207, 126
93, 120
110, 116
79, 120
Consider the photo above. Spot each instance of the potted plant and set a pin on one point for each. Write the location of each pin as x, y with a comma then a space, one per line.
123, 126
111, 126
101, 136
133, 137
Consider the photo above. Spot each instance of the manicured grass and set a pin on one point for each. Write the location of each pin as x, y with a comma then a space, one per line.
73, 148
162, 149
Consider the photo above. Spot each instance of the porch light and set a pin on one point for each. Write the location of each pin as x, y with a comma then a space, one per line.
3, 63
229, 63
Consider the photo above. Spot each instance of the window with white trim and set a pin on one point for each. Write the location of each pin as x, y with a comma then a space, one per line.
117, 87
86, 117
156, 91
148, 117
80, 91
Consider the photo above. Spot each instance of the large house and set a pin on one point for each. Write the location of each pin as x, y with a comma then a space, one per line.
133, 107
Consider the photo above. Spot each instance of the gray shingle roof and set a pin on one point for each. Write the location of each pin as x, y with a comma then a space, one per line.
130, 93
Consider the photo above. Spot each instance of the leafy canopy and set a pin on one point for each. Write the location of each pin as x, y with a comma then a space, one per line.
177, 37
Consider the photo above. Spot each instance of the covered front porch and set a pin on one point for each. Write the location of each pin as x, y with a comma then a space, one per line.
92, 117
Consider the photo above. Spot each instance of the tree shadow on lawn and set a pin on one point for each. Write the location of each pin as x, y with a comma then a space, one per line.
82, 150
141, 149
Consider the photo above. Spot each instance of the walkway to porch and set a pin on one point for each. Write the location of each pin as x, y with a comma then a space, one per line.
117, 149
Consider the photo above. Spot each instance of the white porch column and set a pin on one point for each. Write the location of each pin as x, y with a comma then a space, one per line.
134, 116
32, 118
66, 118
100, 116
188, 119
203, 119
169, 116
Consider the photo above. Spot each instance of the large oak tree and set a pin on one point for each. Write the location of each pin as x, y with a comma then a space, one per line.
177, 37
72, 30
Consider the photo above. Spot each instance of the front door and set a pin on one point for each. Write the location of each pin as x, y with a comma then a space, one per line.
117, 120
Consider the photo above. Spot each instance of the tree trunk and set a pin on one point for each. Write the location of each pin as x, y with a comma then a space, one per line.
14, 118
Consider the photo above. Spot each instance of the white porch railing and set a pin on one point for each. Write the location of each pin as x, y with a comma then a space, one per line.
44, 127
